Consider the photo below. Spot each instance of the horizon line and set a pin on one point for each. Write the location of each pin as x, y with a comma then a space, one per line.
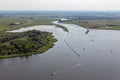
59, 10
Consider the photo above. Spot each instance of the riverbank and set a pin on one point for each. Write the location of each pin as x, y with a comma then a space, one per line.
62, 27
96, 24
42, 50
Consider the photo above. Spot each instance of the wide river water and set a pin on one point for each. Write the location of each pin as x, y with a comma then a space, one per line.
75, 56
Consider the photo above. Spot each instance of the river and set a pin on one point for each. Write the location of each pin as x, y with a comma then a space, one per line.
75, 56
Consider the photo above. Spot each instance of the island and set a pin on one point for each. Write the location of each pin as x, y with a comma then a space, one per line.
25, 43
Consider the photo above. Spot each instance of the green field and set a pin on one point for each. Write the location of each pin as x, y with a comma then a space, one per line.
12, 23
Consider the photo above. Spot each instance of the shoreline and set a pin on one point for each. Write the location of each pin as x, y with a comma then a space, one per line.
44, 49
92, 27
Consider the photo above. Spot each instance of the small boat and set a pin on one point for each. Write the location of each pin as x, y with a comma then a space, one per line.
87, 30
52, 74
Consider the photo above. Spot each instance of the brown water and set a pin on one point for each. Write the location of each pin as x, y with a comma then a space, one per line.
75, 56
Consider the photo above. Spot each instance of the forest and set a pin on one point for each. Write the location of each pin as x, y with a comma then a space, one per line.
25, 43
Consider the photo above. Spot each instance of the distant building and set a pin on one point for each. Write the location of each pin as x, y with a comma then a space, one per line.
63, 19
17, 23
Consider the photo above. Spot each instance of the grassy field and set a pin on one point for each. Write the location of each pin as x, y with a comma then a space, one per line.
12, 23
97, 24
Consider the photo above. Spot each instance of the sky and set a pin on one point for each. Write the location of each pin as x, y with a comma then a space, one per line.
60, 5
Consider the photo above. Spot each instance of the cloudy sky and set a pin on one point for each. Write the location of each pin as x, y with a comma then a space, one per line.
59, 4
